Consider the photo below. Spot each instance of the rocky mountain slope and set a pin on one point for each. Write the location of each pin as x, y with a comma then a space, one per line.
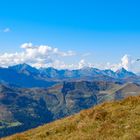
26, 108
109, 121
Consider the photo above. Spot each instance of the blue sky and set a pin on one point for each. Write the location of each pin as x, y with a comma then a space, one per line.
106, 29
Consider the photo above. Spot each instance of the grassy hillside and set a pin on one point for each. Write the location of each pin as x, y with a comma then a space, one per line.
109, 121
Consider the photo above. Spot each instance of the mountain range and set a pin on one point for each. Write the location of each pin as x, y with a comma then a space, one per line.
24, 75
31, 97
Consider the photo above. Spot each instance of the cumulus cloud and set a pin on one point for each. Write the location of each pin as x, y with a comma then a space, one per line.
39, 56
81, 64
27, 45
126, 62
42, 56
45, 50
46, 56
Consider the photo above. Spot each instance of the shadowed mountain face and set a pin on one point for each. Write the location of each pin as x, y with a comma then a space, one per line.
123, 73
24, 108
12, 77
85, 72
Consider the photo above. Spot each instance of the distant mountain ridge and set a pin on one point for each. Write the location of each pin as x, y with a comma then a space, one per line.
51, 72
24, 75
20, 79
24, 68
85, 71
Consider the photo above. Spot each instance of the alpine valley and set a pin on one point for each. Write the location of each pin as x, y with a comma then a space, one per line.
31, 97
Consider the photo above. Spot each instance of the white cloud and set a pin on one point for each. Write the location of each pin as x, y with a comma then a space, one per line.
27, 45
39, 56
46, 56
126, 62
81, 64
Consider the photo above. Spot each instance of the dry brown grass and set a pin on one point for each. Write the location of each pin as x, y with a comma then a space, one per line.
109, 121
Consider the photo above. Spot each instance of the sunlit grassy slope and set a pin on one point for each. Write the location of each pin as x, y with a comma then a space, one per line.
109, 121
